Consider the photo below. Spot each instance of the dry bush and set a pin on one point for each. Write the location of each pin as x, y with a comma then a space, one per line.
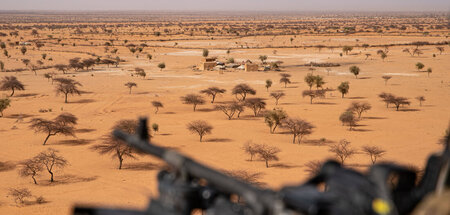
343, 88
19, 194
31, 167
251, 149
268, 153
348, 118
50, 160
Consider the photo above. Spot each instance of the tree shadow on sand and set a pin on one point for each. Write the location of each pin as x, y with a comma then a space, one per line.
409, 110
85, 130
67, 179
7, 166
74, 142
82, 101
141, 166
283, 166
317, 142
26, 95
218, 140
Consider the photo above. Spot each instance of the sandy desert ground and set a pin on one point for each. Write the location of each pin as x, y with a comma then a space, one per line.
408, 135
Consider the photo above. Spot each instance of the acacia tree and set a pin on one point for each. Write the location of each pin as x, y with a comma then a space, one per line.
213, 92
161, 66
140, 72
205, 53
11, 83
4, 103
50, 160
420, 99
256, 104
386, 78
374, 152
419, 66
397, 101
268, 84
318, 81
386, 97
62, 124
298, 127
313, 167
285, 79
268, 153
359, 108
239, 107
313, 94
67, 86
343, 88
130, 85
193, 99
355, 71
342, 150
243, 90
349, 119
347, 49
229, 109
61, 67
310, 79
200, 127
277, 96
157, 105
118, 148
429, 71
274, 118
31, 167
251, 149
263, 58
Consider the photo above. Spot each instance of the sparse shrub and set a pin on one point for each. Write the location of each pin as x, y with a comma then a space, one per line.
349, 119
19, 194
155, 127
268, 153
161, 66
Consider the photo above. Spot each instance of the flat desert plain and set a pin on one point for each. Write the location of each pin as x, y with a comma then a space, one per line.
408, 135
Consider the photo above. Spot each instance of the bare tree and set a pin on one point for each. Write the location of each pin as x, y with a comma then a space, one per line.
313, 167
277, 96
31, 167
349, 119
313, 94
200, 127
193, 99
256, 104
62, 124
251, 149
268, 153
11, 83
19, 194
67, 86
359, 108
386, 78
50, 159
157, 105
420, 99
374, 152
298, 127
342, 150
274, 118
130, 85
243, 90
213, 92
228, 109
117, 148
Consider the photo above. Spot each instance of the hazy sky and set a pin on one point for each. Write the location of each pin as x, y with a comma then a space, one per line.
277, 5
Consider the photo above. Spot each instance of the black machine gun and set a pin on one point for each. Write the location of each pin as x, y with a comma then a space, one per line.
188, 186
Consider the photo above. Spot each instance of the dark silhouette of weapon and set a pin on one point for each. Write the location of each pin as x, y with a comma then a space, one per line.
387, 189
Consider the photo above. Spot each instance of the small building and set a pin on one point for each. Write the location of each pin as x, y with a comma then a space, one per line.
208, 63
251, 67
